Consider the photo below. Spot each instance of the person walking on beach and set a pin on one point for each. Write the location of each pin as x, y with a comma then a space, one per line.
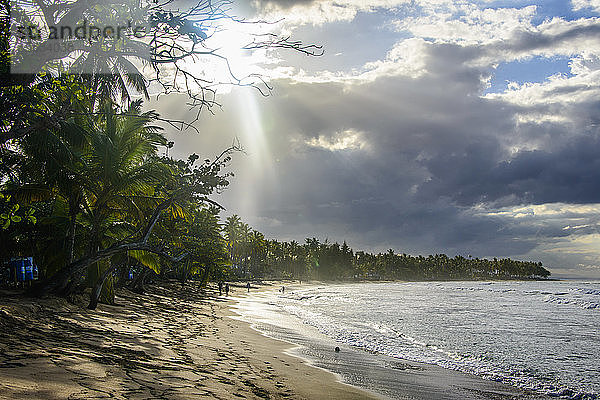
220, 288
248, 286
227, 289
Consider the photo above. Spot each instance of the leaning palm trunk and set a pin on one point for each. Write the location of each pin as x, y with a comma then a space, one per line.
71, 239
138, 283
57, 282
61, 279
74, 202
97, 289
205, 276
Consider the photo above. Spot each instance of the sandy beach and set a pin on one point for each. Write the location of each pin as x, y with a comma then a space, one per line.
183, 344
165, 344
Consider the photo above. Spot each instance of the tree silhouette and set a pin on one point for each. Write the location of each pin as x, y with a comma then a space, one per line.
174, 41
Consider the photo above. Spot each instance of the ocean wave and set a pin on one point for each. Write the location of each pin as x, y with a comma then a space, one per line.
413, 349
418, 325
585, 291
581, 303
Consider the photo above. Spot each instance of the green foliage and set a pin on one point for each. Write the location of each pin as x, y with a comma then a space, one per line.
75, 147
13, 213
100, 179
81, 173
253, 256
145, 258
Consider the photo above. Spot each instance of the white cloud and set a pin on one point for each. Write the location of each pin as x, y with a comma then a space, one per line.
473, 26
586, 4
406, 58
489, 36
323, 11
537, 99
574, 212
585, 63
344, 140
502, 35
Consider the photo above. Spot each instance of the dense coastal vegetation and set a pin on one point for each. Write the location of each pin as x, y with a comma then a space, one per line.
254, 256
89, 192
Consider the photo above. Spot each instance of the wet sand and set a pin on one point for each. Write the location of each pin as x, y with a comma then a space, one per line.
386, 376
166, 344
182, 344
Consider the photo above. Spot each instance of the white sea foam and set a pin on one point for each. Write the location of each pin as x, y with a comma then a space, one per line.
537, 335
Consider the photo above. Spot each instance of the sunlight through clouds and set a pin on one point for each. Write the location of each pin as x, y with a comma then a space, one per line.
259, 160
466, 126
345, 140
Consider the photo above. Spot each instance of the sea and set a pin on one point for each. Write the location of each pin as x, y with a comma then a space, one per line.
539, 336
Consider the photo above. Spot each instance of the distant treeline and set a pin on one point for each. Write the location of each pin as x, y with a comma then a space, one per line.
253, 256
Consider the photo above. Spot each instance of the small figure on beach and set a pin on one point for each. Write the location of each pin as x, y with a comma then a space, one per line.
220, 288
227, 289
283, 289
248, 286
337, 349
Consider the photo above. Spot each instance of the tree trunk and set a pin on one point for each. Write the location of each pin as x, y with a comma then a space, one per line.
71, 239
73, 211
205, 276
97, 289
60, 279
123, 274
185, 268
138, 284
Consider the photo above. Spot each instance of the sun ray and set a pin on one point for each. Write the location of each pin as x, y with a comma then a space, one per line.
260, 171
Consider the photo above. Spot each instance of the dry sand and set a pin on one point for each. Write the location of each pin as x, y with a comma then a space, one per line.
166, 344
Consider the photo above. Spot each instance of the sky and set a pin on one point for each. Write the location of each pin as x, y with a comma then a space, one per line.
427, 126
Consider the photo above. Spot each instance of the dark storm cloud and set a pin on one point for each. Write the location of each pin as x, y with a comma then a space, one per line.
570, 174
452, 139
365, 196
563, 169
523, 44
528, 41
433, 148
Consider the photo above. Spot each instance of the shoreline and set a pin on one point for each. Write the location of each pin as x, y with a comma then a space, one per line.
184, 344
378, 374
308, 380
168, 343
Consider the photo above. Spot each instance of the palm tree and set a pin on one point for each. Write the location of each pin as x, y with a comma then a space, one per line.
121, 174
257, 252
232, 230
52, 168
